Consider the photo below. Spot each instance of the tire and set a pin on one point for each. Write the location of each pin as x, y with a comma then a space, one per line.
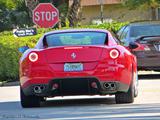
127, 97
136, 84
29, 101
136, 92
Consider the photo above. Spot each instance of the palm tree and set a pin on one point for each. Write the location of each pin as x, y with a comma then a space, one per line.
31, 4
74, 13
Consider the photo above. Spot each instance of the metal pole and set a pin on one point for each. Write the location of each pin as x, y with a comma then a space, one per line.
102, 10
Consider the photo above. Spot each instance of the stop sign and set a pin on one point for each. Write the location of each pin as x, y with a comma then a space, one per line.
45, 15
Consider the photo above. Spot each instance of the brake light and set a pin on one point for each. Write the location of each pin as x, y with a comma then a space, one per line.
33, 57
114, 53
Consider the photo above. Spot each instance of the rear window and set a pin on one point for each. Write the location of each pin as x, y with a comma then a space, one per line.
148, 30
76, 38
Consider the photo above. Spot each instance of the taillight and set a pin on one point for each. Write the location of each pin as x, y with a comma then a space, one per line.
33, 57
114, 53
146, 48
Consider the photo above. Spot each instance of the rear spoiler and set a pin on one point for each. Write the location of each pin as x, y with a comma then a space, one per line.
148, 38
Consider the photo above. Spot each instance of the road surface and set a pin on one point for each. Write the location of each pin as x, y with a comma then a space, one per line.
145, 107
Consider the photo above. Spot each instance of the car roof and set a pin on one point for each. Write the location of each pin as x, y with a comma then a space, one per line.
76, 30
144, 23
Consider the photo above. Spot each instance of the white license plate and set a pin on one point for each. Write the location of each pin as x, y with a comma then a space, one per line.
73, 67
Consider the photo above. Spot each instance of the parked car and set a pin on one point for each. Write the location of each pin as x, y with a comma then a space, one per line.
77, 62
147, 36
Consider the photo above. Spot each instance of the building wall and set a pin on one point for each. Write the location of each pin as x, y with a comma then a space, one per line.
115, 11
96, 2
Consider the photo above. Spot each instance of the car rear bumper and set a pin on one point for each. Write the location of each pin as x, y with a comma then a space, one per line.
76, 86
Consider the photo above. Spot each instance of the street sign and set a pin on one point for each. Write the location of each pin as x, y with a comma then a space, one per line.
45, 15
24, 32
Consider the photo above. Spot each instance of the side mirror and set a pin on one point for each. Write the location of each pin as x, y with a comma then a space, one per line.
23, 49
133, 45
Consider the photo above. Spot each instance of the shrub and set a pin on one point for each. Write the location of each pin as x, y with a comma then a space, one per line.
9, 55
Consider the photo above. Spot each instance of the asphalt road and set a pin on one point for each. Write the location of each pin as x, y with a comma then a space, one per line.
145, 107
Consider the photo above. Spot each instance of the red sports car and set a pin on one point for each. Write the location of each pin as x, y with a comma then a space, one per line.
77, 62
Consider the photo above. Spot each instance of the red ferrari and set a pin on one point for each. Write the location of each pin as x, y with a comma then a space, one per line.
77, 62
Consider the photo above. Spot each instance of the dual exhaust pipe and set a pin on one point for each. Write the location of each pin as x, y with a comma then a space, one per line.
110, 85
39, 89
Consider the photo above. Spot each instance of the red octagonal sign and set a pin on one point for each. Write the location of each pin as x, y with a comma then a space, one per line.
45, 15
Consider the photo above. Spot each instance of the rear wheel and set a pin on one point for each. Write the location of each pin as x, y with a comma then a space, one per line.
29, 101
136, 92
127, 97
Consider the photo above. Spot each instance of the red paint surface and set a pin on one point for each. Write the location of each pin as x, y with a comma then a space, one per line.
95, 59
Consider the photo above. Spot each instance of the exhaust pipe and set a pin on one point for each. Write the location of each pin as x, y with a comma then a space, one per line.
42, 88
110, 86
38, 89
113, 85
107, 85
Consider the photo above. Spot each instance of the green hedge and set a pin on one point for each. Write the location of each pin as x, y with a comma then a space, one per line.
115, 26
9, 55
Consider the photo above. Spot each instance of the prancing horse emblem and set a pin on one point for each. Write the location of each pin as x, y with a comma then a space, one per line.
73, 55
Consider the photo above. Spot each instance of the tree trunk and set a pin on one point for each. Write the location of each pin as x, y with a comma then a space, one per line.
31, 4
74, 13
153, 13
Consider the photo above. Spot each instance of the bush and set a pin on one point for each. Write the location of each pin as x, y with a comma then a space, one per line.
9, 55
114, 26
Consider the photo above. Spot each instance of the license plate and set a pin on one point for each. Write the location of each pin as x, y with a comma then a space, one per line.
69, 67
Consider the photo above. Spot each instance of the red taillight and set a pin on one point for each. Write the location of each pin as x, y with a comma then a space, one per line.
114, 53
33, 57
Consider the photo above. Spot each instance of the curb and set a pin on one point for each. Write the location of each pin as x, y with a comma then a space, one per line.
3, 84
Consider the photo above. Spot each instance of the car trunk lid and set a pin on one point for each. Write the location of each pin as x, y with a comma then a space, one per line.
73, 54
148, 53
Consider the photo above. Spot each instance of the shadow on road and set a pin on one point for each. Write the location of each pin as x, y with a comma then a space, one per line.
82, 109
62, 103
79, 102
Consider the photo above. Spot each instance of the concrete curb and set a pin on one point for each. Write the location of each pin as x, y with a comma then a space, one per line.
3, 84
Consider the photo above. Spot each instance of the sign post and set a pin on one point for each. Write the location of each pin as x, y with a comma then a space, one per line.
45, 15
102, 9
